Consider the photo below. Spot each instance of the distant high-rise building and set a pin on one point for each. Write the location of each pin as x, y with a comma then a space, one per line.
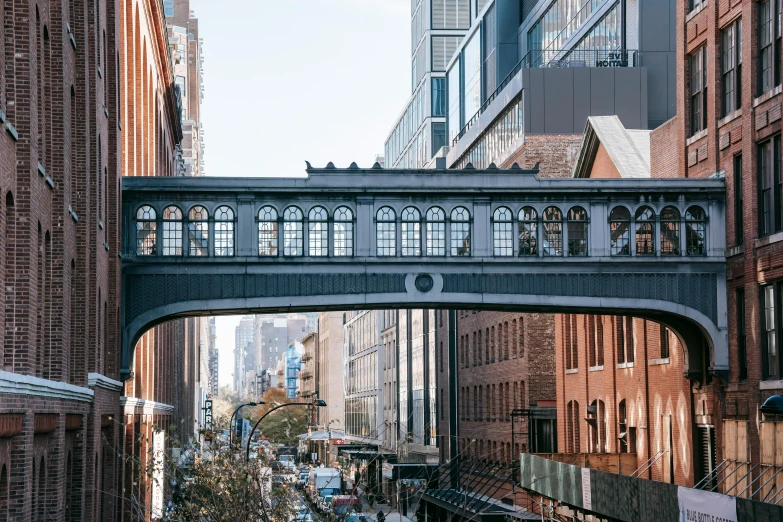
244, 340
273, 334
213, 357
437, 28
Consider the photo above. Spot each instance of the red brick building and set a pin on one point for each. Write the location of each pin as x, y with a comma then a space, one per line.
503, 362
729, 122
86, 96
620, 381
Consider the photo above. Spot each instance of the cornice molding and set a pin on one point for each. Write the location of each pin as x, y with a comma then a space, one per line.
17, 384
96, 380
133, 403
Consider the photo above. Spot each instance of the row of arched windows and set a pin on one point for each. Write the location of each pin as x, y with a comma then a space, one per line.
547, 234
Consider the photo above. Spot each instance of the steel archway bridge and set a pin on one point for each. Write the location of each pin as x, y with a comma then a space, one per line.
372, 238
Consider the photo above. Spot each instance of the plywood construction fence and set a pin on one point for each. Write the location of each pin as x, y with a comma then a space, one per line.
617, 463
735, 451
771, 481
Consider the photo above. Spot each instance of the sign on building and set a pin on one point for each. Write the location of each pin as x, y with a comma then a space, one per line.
158, 447
704, 506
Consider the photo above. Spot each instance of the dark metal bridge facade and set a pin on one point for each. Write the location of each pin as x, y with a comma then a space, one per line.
372, 238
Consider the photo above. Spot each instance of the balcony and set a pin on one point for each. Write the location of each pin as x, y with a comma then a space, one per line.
306, 375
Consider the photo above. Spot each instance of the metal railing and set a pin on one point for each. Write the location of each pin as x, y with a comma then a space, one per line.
556, 59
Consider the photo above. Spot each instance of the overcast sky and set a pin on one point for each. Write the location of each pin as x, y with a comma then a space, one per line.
292, 80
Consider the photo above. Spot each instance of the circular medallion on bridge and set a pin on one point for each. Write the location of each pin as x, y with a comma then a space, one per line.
424, 283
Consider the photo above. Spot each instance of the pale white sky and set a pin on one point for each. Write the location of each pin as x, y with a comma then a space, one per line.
294, 80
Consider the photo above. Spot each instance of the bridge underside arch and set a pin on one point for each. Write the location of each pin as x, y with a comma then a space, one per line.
685, 302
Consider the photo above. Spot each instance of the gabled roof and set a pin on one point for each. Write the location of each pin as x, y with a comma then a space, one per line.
628, 149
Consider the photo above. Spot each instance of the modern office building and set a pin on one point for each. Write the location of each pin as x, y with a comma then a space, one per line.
528, 73
437, 27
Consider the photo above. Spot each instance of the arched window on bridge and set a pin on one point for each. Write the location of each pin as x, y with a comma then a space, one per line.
577, 231
318, 232
503, 232
224, 231
198, 231
267, 231
460, 232
343, 232
670, 232
146, 231
619, 231
436, 232
172, 231
553, 231
695, 231
411, 231
645, 231
528, 231
386, 231
293, 232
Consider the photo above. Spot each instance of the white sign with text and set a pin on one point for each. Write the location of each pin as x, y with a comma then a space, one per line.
587, 494
704, 506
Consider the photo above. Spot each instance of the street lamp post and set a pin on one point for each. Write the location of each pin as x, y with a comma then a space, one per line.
317, 402
231, 422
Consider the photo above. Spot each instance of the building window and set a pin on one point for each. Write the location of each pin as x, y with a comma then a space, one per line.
620, 231
438, 136
553, 231
622, 416
769, 186
739, 222
436, 232
198, 232
769, 45
172, 231
695, 4
386, 232
146, 231
731, 66
770, 320
411, 231
698, 68
741, 335
224, 231
577, 231
598, 332
503, 232
670, 232
293, 232
596, 419
625, 343
318, 232
438, 98
572, 427
267, 231
664, 332
571, 342
695, 231
343, 232
460, 232
528, 231
645, 231
168, 8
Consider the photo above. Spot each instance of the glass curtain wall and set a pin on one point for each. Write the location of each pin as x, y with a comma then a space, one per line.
452, 79
603, 38
497, 139
472, 68
432, 383
417, 374
402, 372
556, 26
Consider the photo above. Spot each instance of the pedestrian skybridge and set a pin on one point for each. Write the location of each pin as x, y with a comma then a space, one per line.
473, 239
